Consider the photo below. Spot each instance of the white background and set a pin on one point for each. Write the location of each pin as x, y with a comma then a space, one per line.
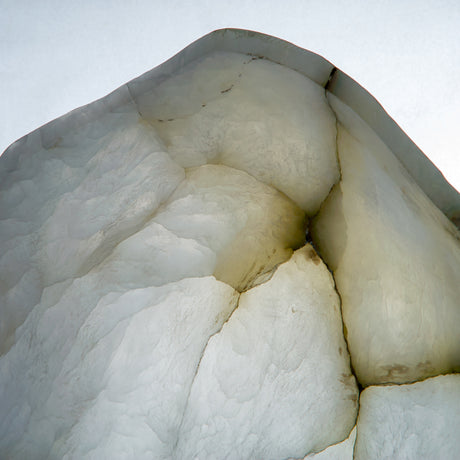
56, 55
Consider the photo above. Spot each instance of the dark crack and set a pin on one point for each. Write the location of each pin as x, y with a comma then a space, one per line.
133, 100
334, 444
331, 77
198, 368
227, 90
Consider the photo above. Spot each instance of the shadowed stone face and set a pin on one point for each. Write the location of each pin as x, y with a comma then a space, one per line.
158, 298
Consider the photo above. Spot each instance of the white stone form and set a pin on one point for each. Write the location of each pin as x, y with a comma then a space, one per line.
276, 381
90, 355
395, 259
416, 421
154, 302
107, 242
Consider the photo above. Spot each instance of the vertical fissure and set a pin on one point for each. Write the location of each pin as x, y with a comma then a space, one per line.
173, 453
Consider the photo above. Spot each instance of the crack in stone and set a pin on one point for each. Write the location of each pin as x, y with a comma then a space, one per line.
262, 278
331, 77
238, 295
399, 384
360, 388
344, 328
336, 142
356, 439
151, 121
132, 99
312, 218
331, 445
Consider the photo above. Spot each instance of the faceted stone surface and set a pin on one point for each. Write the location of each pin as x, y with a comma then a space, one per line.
276, 380
157, 299
64, 209
113, 379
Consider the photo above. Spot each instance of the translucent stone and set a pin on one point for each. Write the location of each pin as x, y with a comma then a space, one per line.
395, 259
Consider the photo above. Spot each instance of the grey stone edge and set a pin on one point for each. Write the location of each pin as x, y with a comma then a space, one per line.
424, 172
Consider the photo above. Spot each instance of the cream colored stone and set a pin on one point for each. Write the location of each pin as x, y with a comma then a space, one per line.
396, 263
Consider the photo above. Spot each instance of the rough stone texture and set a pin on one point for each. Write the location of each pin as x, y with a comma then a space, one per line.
107, 249
149, 375
395, 259
91, 387
248, 226
417, 421
276, 380
64, 209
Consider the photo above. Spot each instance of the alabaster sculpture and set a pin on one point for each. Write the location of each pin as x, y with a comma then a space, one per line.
237, 255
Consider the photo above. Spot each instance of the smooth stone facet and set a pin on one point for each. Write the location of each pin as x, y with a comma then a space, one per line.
395, 259
420, 420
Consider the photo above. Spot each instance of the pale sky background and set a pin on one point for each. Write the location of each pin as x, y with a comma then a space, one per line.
56, 55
